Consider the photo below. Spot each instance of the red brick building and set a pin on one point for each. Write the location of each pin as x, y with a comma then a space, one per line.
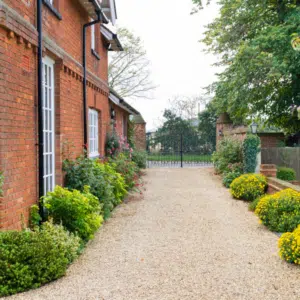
42, 90
139, 132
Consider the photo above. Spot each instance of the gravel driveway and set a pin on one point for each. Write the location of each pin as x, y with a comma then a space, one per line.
187, 239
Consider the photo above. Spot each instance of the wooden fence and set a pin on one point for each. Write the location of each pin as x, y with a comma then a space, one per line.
287, 157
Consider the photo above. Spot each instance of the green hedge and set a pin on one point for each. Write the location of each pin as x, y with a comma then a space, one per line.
287, 174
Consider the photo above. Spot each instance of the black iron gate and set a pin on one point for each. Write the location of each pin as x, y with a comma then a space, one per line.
178, 150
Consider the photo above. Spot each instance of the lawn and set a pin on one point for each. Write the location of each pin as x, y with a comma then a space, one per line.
176, 157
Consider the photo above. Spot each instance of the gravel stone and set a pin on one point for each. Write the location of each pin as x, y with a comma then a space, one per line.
186, 239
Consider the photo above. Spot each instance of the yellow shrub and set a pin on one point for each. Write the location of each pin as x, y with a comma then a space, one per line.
289, 245
280, 212
248, 186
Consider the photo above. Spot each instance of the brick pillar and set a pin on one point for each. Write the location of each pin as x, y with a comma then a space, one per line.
224, 123
268, 170
140, 136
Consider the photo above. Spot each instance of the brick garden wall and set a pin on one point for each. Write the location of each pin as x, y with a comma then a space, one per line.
18, 109
140, 136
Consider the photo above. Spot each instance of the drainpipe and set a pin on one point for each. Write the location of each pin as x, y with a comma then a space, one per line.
40, 105
85, 26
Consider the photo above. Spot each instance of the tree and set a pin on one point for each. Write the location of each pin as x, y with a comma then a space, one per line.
207, 128
128, 70
262, 71
187, 107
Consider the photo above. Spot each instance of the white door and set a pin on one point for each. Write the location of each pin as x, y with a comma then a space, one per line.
48, 124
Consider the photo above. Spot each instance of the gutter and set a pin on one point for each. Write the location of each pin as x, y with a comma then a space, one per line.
100, 18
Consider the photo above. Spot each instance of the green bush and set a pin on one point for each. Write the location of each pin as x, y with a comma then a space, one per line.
250, 150
280, 212
228, 177
229, 152
77, 212
127, 168
253, 204
287, 174
248, 186
112, 144
85, 171
29, 259
140, 158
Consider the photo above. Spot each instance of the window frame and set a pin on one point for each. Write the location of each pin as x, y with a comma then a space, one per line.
93, 133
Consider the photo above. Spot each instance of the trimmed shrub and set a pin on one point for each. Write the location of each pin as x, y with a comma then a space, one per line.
248, 186
289, 245
228, 177
250, 150
29, 259
280, 212
287, 174
140, 158
229, 152
252, 205
90, 172
77, 212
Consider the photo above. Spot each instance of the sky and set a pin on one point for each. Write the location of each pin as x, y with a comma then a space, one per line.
171, 38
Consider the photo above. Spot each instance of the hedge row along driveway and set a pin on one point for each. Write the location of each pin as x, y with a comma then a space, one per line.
186, 239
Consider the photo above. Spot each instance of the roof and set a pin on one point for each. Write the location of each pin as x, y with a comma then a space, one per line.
109, 8
112, 39
93, 7
138, 119
118, 100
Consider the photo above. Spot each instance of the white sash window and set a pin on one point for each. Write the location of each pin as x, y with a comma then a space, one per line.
48, 125
93, 133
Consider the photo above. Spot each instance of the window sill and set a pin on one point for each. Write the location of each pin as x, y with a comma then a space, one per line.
94, 155
95, 54
53, 9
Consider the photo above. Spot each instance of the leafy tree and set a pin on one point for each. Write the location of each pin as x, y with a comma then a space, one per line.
128, 70
261, 76
173, 129
207, 128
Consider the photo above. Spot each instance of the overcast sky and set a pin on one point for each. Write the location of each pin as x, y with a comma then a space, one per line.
171, 37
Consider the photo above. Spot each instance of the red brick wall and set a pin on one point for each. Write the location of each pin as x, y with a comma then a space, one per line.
18, 152
140, 136
271, 140
18, 101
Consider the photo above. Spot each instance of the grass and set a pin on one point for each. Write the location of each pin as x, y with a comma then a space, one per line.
176, 157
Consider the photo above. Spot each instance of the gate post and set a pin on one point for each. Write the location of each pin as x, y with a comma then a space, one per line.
181, 151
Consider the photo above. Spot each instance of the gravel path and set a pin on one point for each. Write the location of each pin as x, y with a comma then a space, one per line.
187, 239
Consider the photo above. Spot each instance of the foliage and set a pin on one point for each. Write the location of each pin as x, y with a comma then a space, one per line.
287, 174
250, 151
168, 136
140, 158
129, 70
112, 144
127, 168
253, 204
116, 144
35, 217
85, 171
229, 152
248, 186
29, 259
289, 245
260, 74
78, 212
280, 212
228, 177
207, 128
130, 134
1, 183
